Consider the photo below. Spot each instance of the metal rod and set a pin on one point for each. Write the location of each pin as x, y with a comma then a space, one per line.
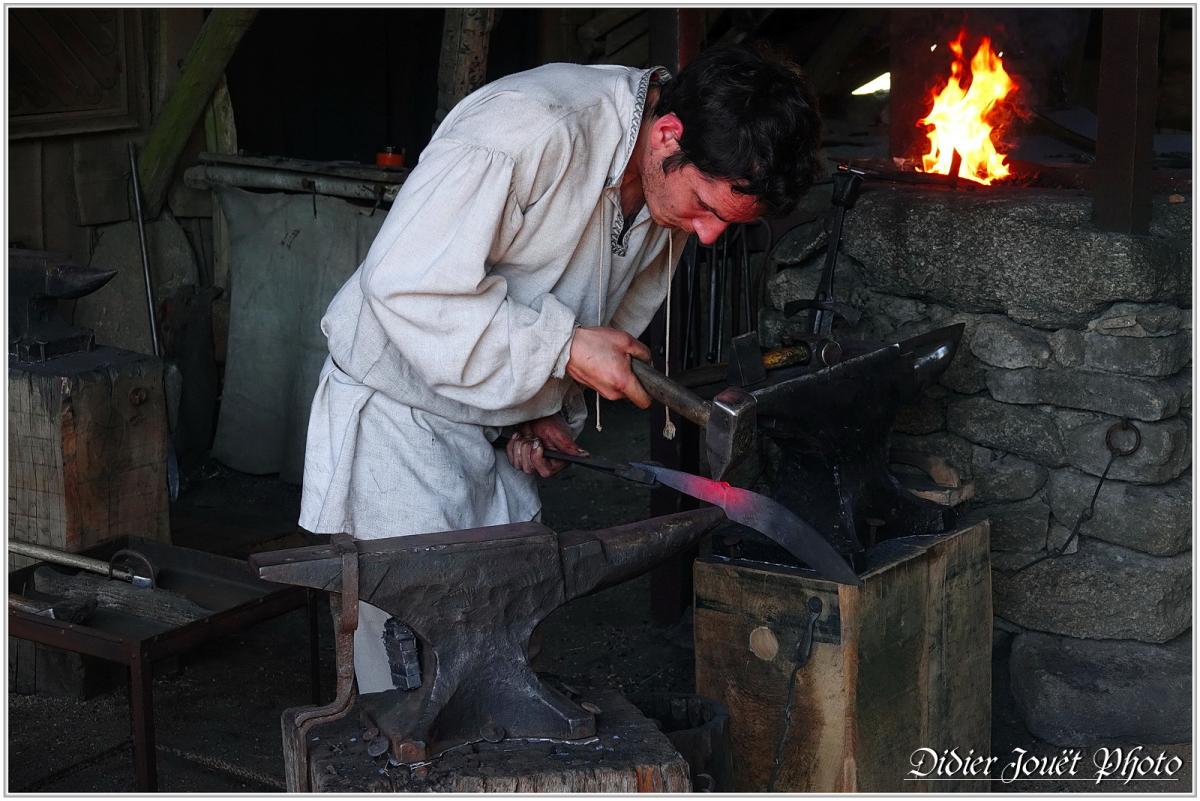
749, 300
722, 291
58, 557
172, 458
713, 298
23, 604
137, 202
691, 263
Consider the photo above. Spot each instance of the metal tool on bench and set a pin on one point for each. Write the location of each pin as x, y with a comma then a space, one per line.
741, 506
727, 420
472, 598
143, 577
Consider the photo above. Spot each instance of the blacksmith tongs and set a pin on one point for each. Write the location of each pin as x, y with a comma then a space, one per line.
758, 512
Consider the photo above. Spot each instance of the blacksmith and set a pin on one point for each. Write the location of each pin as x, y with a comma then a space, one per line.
521, 259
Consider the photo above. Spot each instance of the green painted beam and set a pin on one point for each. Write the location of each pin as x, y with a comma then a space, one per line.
202, 71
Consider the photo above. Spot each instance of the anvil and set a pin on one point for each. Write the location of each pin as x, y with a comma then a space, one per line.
37, 281
473, 598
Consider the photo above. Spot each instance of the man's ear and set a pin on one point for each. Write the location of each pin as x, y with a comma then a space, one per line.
666, 133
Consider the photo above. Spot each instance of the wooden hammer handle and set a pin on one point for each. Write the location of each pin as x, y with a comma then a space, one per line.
672, 394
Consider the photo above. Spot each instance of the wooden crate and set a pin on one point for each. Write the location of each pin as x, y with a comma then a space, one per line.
87, 450
900, 663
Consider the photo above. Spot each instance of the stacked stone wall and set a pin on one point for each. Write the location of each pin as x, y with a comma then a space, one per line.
1068, 332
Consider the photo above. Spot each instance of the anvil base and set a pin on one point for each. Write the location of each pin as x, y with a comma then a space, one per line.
628, 754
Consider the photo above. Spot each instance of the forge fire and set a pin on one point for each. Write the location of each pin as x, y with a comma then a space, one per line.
966, 116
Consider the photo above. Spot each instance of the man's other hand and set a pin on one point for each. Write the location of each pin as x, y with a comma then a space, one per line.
600, 360
527, 447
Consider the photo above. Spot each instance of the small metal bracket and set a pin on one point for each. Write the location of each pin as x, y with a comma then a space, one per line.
805, 646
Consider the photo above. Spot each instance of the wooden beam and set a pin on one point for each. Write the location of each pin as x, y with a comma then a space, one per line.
463, 64
202, 71
1125, 124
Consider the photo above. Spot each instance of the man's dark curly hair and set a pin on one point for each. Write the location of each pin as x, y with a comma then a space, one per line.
747, 117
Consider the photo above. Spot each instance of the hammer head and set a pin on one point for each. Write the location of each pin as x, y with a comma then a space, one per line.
730, 431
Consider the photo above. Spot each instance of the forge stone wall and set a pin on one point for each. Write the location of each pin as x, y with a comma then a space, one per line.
1069, 330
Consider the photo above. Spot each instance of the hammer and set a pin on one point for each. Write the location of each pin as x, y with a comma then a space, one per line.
727, 420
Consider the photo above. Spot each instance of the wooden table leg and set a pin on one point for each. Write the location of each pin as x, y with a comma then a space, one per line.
141, 703
314, 646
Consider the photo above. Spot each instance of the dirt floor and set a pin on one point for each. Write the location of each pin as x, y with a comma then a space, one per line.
217, 709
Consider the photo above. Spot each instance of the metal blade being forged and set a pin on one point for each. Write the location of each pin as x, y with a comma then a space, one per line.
764, 515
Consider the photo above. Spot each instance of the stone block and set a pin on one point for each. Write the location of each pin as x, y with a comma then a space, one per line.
955, 450
799, 281
1067, 346
1074, 692
925, 416
1108, 393
1019, 526
1027, 431
966, 375
897, 311
1154, 357
1006, 477
1033, 255
1164, 454
802, 242
1155, 519
774, 328
999, 342
1057, 539
1141, 320
1183, 383
1101, 592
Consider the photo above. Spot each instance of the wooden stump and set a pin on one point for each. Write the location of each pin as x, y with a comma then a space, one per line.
87, 463
900, 663
87, 450
628, 754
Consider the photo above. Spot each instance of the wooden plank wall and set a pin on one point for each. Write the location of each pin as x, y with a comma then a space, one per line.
64, 188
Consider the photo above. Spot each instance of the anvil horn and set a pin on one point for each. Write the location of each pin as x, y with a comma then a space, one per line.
593, 560
66, 281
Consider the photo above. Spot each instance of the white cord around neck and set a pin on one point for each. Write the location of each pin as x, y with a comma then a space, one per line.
604, 232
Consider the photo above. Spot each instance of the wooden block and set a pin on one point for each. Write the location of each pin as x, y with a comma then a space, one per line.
628, 754
900, 663
87, 446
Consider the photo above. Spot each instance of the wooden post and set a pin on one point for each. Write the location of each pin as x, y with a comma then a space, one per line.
220, 136
202, 71
463, 64
1125, 125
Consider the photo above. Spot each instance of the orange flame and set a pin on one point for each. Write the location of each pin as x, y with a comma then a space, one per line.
959, 118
